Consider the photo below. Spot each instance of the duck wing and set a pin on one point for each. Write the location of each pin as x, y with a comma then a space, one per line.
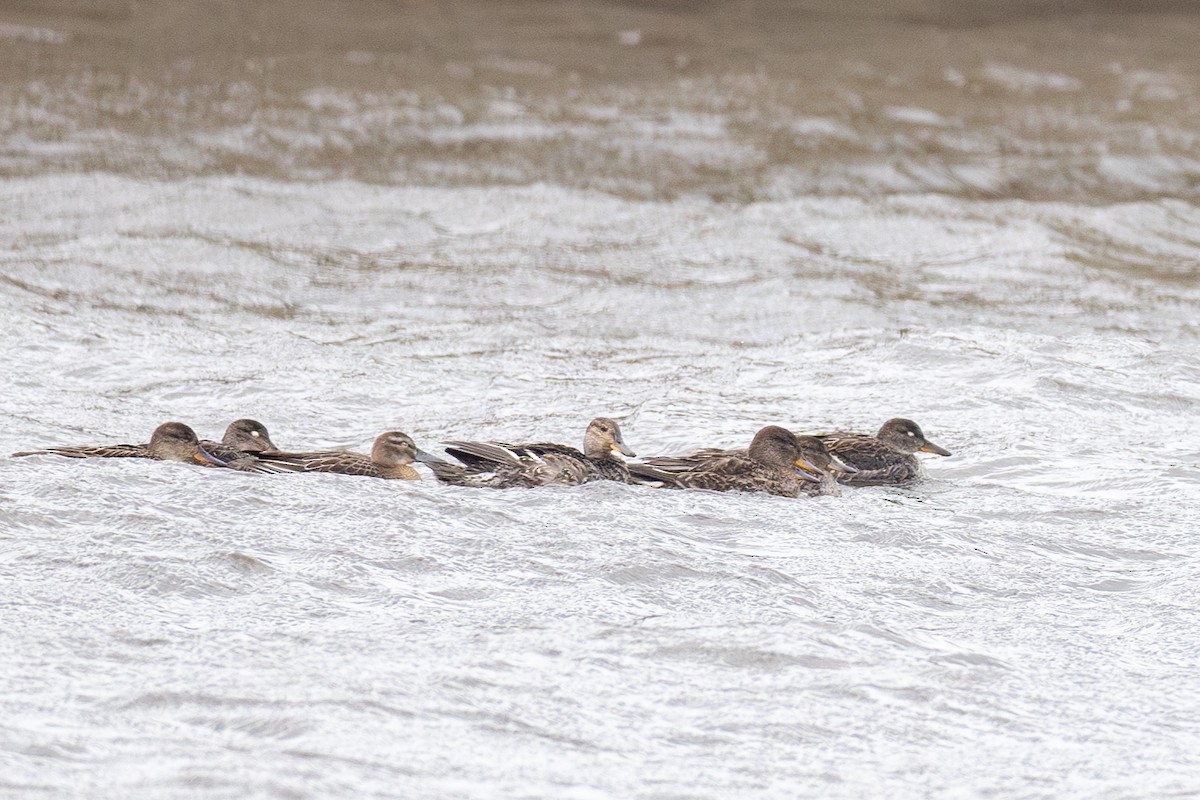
94, 451
859, 450
240, 459
644, 474
696, 460
341, 462
486, 455
738, 473
490, 454
483, 475
877, 464
502, 465
903, 470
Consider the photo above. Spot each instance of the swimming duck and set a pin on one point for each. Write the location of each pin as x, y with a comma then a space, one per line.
885, 458
392, 456
243, 441
248, 436
171, 441
777, 462
501, 466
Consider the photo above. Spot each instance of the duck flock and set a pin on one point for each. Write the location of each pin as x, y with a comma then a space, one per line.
777, 460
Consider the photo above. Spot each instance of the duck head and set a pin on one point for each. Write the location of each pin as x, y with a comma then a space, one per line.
397, 449
778, 447
905, 436
603, 438
249, 436
822, 462
174, 441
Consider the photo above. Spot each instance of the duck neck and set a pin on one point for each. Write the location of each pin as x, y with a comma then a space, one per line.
403, 472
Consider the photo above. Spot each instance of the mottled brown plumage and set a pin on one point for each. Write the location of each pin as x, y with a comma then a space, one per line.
391, 457
885, 458
497, 465
777, 462
248, 436
171, 441
244, 439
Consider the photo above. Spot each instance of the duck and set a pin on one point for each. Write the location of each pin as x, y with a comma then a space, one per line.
245, 435
392, 456
496, 465
777, 462
885, 458
171, 441
243, 441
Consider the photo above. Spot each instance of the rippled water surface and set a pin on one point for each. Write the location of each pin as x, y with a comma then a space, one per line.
479, 220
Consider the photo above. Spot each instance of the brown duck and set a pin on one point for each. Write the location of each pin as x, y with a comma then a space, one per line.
171, 441
886, 458
777, 462
497, 465
392, 456
243, 441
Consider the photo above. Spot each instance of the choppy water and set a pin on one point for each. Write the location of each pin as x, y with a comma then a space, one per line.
1023, 624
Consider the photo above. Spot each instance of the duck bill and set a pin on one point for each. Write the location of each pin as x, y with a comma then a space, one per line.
841, 466
806, 469
930, 447
208, 459
619, 446
429, 458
